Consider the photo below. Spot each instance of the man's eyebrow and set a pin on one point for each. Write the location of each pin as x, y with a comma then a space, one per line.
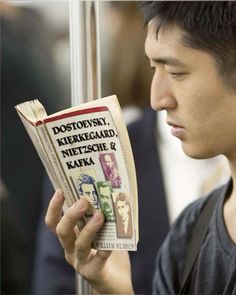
169, 61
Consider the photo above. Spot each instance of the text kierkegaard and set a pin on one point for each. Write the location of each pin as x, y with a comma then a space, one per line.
75, 144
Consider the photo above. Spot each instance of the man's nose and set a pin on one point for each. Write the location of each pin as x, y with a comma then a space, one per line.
162, 96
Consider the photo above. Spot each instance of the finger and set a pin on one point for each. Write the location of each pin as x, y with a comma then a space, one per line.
100, 259
87, 235
65, 228
53, 215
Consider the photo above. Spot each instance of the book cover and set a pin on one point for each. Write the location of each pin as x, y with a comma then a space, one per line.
87, 153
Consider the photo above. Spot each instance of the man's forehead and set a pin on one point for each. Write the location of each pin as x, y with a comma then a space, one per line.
168, 48
166, 38
154, 28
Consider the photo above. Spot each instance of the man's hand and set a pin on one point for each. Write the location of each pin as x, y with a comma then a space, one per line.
106, 271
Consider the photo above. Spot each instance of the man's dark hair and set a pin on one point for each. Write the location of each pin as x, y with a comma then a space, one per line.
207, 25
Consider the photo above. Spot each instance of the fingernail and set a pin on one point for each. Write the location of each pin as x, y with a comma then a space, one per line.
80, 205
96, 219
58, 195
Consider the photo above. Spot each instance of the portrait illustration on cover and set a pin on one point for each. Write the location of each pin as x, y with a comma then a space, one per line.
124, 224
85, 185
105, 198
110, 169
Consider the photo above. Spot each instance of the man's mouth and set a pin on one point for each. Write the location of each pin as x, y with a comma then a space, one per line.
173, 124
176, 130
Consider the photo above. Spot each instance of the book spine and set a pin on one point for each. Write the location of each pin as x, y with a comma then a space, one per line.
56, 165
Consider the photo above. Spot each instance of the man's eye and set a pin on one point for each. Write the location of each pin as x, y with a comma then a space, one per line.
177, 75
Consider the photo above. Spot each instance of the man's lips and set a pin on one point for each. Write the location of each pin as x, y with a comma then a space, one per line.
176, 130
174, 125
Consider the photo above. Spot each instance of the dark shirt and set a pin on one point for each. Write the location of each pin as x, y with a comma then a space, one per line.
215, 269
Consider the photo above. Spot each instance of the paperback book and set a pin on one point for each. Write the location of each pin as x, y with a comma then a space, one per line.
87, 154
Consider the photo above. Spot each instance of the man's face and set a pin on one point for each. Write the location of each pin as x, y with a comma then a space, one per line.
200, 108
123, 209
105, 197
108, 161
90, 193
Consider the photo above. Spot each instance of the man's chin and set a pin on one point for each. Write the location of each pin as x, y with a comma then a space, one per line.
199, 152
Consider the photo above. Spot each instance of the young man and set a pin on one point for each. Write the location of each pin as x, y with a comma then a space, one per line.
192, 49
